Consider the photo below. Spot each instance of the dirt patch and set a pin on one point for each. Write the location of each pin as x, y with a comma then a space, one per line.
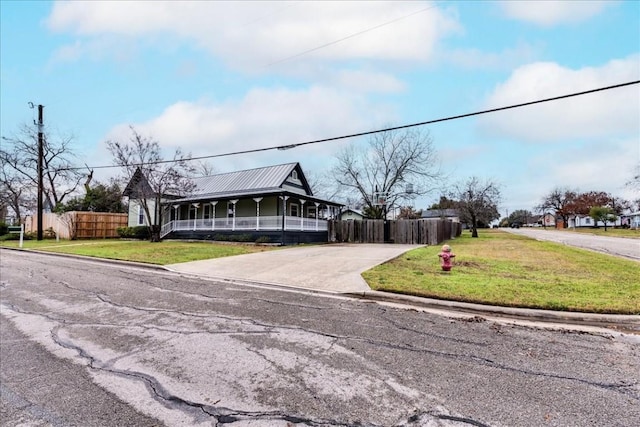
472, 264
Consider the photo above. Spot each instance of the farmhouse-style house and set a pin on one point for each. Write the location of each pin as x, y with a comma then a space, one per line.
272, 203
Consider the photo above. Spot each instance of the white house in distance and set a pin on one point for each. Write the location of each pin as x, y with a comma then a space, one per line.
632, 220
351, 214
450, 214
586, 221
274, 203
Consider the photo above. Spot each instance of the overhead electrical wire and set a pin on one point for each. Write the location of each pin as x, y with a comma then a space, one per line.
351, 36
355, 135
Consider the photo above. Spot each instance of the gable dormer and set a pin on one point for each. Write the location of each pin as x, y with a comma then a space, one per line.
296, 182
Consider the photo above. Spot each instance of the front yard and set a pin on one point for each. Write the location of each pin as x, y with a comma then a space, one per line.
504, 269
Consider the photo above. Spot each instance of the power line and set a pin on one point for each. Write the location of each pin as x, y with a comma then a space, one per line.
355, 135
350, 36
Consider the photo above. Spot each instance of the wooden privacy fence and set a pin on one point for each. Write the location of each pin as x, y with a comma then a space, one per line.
404, 231
80, 225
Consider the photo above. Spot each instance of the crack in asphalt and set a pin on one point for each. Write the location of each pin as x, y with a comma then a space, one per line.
620, 388
431, 335
464, 420
221, 414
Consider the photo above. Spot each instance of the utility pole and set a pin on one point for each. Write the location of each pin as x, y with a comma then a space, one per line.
40, 169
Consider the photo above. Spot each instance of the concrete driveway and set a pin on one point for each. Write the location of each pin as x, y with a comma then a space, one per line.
335, 267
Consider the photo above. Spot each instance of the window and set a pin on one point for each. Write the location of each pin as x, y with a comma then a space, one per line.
206, 211
192, 212
294, 175
587, 221
294, 210
140, 215
230, 210
311, 212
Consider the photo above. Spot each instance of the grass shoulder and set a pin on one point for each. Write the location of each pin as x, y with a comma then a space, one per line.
160, 253
510, 270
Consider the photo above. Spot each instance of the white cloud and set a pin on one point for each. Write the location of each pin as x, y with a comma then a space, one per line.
262, 118
581, 167
479, 59
599, 115
94, 49
255, 34
548, 13
596, 166
367, 81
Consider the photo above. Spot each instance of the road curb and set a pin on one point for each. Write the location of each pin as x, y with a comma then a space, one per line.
628, 323
90, 258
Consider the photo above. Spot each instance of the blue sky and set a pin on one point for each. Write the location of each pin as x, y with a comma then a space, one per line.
215, 77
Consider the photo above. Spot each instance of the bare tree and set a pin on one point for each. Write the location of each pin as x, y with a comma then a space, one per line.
396, 167
16, 192
561, 201
477, 202
408, 212
634, 182
634, 185
19, 178
204, 168
150, 177
70, 220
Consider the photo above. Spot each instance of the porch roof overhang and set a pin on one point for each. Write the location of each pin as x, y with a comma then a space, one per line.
250, 194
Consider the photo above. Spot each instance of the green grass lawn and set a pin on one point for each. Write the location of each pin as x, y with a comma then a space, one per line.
162, 253
510, 270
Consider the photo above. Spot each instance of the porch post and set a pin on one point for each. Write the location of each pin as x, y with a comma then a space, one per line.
302, 202
195, 216
284, 212
176, 212
213, 222
233, 223
317, 213
257, 200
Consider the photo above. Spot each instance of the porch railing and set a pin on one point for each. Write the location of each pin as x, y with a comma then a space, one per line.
266, 223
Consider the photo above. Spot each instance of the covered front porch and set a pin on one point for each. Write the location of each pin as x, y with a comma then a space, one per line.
275, 218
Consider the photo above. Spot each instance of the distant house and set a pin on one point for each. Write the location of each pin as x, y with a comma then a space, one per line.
578, 221
351, 214
451, 214
274, 203
631, 219
548, 220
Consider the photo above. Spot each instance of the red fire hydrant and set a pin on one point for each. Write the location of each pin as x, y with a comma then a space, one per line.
446, 257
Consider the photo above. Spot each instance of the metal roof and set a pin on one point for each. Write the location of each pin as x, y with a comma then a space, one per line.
252, 182
242, 182
439, 213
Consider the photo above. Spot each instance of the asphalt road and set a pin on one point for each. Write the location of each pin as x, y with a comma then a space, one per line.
617, 246
114, 345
